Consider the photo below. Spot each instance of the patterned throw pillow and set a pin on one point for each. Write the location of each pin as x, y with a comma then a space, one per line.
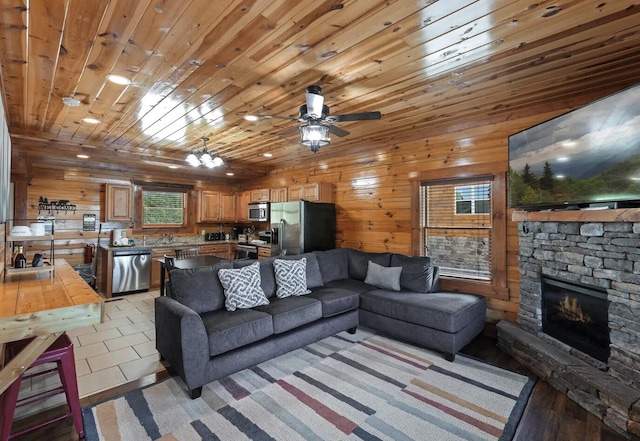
291, 277
383, 277
242, 288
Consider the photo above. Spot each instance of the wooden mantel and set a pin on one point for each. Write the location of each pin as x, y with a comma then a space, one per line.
607, 215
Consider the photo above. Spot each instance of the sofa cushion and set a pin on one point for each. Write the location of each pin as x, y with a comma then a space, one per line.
383, 277
291, 277
445, 311
291, 312
230, 330
335, 300
417, 272
267, 277
334, 264
357, 286
199, 288
314, 276
242, 287
359, 261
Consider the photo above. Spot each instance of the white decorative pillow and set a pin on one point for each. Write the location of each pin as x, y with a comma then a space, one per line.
291, 277
383, 277
242, 288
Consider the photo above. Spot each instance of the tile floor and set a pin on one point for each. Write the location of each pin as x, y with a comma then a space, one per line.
109, 354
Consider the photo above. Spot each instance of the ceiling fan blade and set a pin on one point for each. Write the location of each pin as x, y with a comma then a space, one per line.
337, 131
356, 116
315, 101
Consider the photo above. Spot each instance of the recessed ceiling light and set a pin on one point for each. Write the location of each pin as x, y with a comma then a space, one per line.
83, 156
118, 79
91, 120
172, 166
229, 173
70, 101
250, 117
267, 155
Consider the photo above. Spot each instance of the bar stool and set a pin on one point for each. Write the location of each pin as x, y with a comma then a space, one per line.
60, 353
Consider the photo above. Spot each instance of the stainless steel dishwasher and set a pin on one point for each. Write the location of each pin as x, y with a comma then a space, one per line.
131, 270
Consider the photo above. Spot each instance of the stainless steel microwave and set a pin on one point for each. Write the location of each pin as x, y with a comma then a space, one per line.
259, 212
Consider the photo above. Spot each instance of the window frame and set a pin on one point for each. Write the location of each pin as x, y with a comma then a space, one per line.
141, 188
495, 171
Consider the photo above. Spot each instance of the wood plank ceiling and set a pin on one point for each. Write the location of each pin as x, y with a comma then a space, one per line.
197, 67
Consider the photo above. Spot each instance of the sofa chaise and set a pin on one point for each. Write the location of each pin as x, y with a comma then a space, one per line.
214, 321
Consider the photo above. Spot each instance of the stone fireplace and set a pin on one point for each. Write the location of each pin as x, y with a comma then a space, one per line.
603, 258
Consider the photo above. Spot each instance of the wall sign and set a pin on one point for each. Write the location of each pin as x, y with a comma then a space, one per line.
88, 222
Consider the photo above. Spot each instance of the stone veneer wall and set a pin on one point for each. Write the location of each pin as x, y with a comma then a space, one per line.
603, 254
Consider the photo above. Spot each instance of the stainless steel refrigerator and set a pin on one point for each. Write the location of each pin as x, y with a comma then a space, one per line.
302, 226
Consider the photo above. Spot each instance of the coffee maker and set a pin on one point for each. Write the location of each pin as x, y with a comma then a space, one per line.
235, 232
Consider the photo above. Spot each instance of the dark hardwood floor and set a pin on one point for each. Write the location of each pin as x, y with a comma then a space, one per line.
549, 415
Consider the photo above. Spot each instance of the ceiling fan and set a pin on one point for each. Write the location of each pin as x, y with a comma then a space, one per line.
314, 133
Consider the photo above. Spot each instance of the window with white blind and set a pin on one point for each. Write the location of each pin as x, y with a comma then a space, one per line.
161, 208
457, 226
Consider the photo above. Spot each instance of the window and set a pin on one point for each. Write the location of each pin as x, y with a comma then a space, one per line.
473, 199
457, 227
163, 208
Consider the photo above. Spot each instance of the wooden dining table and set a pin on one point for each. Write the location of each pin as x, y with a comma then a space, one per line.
43, 305
190, 262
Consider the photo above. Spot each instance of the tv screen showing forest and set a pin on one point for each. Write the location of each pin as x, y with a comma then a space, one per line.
589, 155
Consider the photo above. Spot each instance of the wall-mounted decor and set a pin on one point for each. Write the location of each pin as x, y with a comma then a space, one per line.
88, 222
57, 206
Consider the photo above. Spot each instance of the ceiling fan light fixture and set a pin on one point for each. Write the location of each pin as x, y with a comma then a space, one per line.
314, 136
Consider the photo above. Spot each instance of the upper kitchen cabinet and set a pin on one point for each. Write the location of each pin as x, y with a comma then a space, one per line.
242, 206
118, 204
208, 206
315, 192
260, 195
279, 195
214, 206
227, 207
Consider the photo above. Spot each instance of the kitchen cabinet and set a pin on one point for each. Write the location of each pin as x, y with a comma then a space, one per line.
208, 206
314, 192
242, 206
158, 253
264, 252
118, 204
218, 250
227, 207
260, 195
279, 195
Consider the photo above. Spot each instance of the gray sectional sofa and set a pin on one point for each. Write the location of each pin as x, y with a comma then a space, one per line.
203, 340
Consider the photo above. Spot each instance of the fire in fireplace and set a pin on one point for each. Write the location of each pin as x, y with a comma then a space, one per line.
576, 315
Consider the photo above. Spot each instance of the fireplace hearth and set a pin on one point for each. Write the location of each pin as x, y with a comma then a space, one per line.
577, 315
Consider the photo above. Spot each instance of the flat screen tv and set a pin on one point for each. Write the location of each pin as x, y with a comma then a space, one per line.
587, 157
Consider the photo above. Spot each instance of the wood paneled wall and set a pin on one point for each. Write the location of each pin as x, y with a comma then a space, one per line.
372, 189
373, 192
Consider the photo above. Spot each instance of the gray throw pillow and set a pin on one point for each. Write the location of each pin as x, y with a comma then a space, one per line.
291, 277
242, 287
383, 277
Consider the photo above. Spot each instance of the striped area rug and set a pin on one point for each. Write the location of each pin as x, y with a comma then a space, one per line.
346, 387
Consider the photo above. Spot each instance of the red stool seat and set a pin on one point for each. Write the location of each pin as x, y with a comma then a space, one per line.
60, 353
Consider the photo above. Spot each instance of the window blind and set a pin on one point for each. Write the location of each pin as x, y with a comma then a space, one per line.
457, 227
